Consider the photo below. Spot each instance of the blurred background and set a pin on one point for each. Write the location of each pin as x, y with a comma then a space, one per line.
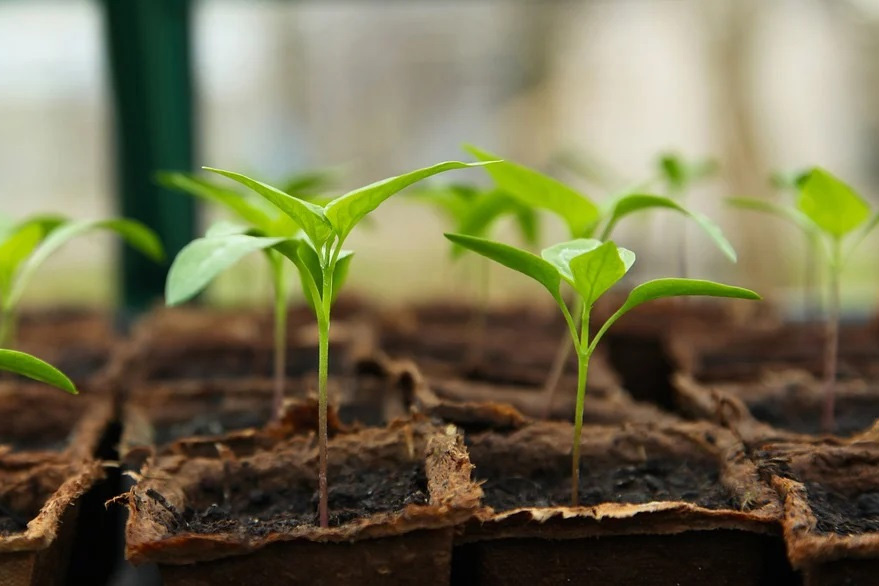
592, 91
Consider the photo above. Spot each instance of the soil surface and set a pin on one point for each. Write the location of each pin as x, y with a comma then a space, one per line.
853, 415
11, 522
843, 514
245, 508
638, 483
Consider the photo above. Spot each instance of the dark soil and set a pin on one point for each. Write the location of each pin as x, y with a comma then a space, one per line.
843, 514
246, 509
653, 480
789, 413
209, 424
11, 522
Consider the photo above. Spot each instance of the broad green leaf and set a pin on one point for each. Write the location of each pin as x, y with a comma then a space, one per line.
308, 216
659, 288
831, 204
208, 191
560, 255
346, 211
452, 201
14, 250
133, 232
36, 369
788, 213
200, 261
541, 191
631, 203
526, 263
310, 269
598, 270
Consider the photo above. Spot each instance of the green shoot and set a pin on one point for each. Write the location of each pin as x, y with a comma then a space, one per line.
473, 211
34, 368
590, 268
321, 261
26, 245
225, 243
831, 211
586, 219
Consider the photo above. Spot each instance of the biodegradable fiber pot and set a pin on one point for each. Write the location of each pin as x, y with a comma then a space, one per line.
782, 406
396, 495
677, 504
38, 513
831, 510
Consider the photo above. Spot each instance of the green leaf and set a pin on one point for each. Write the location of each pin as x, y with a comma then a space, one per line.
540, 191
635, 202
225, 228
680, 173
787, 213
308, 216
208, 191
831, 204
14, 250
599, 269
560, 255
526, 263
34, 368
659, 288
133, 232
310, 269
200, 261
346, 211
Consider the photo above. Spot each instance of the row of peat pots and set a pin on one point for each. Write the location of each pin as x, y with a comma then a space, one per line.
702, 460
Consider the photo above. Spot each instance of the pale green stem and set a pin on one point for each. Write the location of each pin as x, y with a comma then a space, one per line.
323, 323
280, 365
583, 355
831, 348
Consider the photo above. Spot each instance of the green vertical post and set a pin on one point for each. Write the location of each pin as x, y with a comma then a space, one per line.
148, 44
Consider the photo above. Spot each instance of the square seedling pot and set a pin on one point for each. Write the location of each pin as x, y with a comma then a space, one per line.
831, 510
477, 406
782, 406
677, 504
37, 418
517, 348
396, 495
179, 344
39, 495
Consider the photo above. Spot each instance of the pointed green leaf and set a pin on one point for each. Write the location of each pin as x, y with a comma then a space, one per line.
659, 288
133, 232
310, 262
541, 191
200, 261
20, 241
346, 211
519, 260
599, 269
225, 228
635, 202
788, 213
308, 216
36, 369
248, 211
831, 204
560, 255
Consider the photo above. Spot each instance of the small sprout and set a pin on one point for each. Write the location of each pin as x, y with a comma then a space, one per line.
590, 268
314, 245
831, 211
26, 245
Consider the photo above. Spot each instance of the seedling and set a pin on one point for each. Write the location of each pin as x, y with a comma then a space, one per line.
585, 219
263, 224
473, 211
26, 245
314, 245
831, 211
590, 267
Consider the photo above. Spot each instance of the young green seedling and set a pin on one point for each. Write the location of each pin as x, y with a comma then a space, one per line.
590, 267
26, 245
585, 219
315, 248
831, 211
263, 224
473, 211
